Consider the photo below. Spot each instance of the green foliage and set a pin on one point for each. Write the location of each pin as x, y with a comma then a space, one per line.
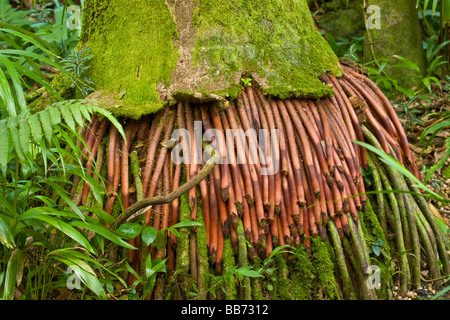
21, 134
247, 81
442, 291
12, 16
230, 275
76, 64
50, 23
350, 49
152, 267
40, 224
30, 215
444, 122
390, 161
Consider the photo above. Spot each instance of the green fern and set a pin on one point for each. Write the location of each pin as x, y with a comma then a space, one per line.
26, 130
12, 16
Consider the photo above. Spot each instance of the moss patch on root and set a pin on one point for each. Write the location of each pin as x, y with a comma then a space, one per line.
323, 269
185, 279
373, 231
229, 261
302, 276
202, 253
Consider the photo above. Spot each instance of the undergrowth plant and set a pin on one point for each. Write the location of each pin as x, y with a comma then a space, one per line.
42, 231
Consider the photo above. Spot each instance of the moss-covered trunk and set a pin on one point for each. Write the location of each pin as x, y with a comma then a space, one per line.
399, 33
149, 52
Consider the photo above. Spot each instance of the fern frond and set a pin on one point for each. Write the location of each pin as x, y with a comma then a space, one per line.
24, 137
14, 132
46, 124
55, 116
68, 117
20, 133
4, 149
9, 15
35, 127
76, 113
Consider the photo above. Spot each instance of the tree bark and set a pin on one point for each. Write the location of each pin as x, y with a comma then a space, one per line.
399, 34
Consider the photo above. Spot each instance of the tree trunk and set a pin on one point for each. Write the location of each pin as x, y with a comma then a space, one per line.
155, 51
399, 34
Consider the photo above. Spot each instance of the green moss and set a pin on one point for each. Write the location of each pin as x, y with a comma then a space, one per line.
256, 283
275, 41
323, 268
131, 109
371, 227
196, 14
63, 86
373, 231
282, 272
302, 276
183, 239
344, 24
132, 46
228, 262
230, 93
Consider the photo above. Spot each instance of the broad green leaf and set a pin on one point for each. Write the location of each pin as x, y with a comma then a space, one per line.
376, 250
6, 95
400, 168
6, 236
29, 36
157, 265
134, 273
149, 235
8, 206
104, 232
174, 231
407, 63
63, 194
442, 225
43, 214
441, 293
187, 223
33, 55
129, 230
91, 281
10, 277
249, 273
99, 213
16, 83
438, 166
